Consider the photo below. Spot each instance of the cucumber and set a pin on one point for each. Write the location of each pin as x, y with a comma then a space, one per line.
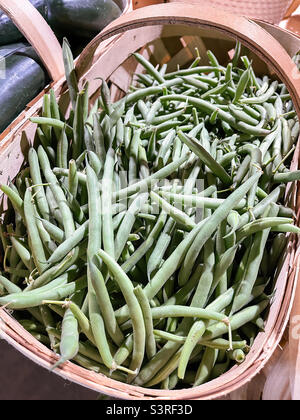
84, 18
22, 78
9, 33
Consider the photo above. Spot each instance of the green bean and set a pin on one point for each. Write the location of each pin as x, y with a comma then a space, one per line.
99, 333
37, 180
220, 214
219, 343
286, 177
62, 150
179, 216
146, 310
145, 246
54, 231
107, 222
57, 193
271, 111
242, 85
73, 178
144, 184
99, 140
286, 229
236, 321
168, 369
94, 244
151, 152
261, 224
48, 243
29, 325
276, 250
206, 366
153, 90
243, 116
124, 350
144, 171
237, 355
54, 110
178, 311
225, 261
48, 322
105, 303
209, 108
202, 291
160, 247
166, 353
74, 205
247, 282
207, 159
52, 123
23, 252
263, 98
34, 236
143, 109
237, 53
197, 83
127, 224
134, 310
195, 70
15, 199
242, 171
10, 287
83, 321
58, 280
256, 162
106, 99
70, 72
69, 244
24, 301
259, 209
218, 90
248, 65
99, 368
150, 68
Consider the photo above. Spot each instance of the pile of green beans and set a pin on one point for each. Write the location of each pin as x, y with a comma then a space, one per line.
143, 237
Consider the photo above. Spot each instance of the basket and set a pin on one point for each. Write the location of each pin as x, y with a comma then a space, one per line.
272, 11
168, 33
39, 34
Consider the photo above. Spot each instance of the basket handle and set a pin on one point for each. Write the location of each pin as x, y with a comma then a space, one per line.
38, 33
243, 29
295, 4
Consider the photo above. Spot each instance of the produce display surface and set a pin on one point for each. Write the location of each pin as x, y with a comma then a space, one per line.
149, 230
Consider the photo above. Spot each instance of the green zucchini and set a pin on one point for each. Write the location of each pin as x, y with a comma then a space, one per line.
9, 33
84, 18
22, 77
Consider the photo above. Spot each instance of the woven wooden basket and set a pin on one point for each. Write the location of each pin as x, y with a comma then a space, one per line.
168, 33
272, 11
